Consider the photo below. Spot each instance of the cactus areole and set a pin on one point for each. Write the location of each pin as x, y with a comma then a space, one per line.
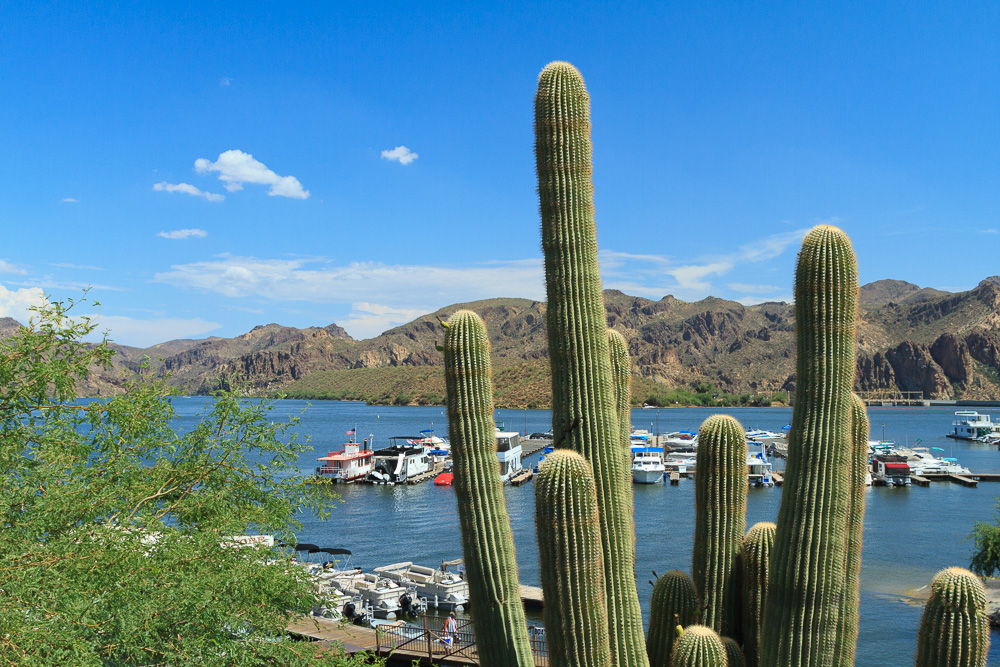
582, 384
809, 562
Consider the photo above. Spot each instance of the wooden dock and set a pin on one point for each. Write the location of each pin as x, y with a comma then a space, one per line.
919, 481
778, 478
430, 474
675, 478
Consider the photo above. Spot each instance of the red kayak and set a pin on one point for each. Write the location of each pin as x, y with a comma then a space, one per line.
444, 479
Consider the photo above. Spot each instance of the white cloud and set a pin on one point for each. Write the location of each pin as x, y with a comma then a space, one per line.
368, 320
772, 246
225, 81
236, 168
70, 200
187, 189
7, 267
754, 300
184, 234
66, 265
693, 277
144, 333
16, 303
400, 154
753, 289
991, 230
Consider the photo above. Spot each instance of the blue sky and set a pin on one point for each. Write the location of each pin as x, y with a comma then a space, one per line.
207, 167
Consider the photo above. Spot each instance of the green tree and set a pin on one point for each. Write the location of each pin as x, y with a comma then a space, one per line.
113, 527
986, 553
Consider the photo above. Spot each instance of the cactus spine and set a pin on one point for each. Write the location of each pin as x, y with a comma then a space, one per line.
582, 389
847, 630
954, 631
720, 491
487, 540
734, 655
674, 602
621, 369
808, 568
699, 646
569, 550
754, 557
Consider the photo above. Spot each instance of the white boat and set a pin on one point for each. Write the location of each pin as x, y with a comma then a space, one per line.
758, 435
970, 425
350, 463
509, 454
399, 462
890, 470
440, 588
380, 594
647, 464
758, 467
680, 462
680, 441
922, 462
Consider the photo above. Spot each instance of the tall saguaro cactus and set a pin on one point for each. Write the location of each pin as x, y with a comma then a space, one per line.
720, 492
674, 602
953, 630
808, 565
487, 540
847, 624
582, 389
754, 558
572, 566
699, 646
621, 369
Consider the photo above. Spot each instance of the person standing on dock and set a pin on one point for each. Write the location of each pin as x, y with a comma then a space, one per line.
450, 629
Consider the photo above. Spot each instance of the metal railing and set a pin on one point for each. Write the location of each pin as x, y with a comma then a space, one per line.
437, 644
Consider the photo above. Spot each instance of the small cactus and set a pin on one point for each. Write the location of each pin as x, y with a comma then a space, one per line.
954, 631
674, 605
734, 654
572, 566
699, 646
720, 491
754, 557
487, 540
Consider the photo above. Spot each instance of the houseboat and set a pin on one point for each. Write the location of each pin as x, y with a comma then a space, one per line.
970, 425
399, 461
759, 468
350, 463
647, 464
509, 454
890, 470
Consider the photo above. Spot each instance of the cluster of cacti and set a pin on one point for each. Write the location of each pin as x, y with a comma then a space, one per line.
720, 494
674, 603
582, 382
487, 540
799, 579
572, 565
953, 630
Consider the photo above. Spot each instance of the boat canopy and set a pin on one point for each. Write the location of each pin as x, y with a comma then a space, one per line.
336, 552
304, 546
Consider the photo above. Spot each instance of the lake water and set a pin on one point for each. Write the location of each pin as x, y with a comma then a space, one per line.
910, 533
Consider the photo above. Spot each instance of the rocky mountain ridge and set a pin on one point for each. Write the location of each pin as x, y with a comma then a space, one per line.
945, 345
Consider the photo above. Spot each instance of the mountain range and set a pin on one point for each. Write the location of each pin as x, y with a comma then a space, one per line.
942, 344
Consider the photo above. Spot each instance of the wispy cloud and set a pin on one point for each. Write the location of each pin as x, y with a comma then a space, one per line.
144, 333
70, 200
177, 234
65, 265
236, 168
991, 230
225, 81
8, 267
187, 189
753, 289
370, 319
400, 154
17, 303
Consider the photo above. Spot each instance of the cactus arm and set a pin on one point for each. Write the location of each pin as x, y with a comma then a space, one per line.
734, 655
578, 343
621, 369
720, 483
674, 605
954, 631
569, 551
699, 646
808, 565
754, 557
487, 540
847, 630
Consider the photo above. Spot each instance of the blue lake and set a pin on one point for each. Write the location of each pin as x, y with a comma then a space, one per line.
910, 533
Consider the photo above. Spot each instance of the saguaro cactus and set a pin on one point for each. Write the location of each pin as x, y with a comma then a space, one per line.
674, 602
487, 540
808, 566
953, 630
847, 624
754, 557
699, 646
734, 655
621, 369
720, 492
569, 550
582, 389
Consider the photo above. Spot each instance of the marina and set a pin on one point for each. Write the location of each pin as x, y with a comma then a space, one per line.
910, 532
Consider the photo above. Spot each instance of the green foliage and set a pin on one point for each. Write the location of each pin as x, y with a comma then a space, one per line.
487, 540
583, 407
986, 550
572, 565
953, 629
113, 525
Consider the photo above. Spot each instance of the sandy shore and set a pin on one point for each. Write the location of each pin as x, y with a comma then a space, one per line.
993, 601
